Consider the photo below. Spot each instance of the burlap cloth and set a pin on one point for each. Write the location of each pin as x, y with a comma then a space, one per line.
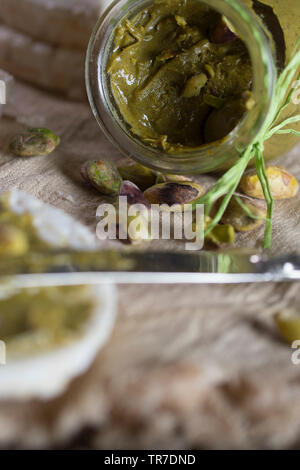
186, 366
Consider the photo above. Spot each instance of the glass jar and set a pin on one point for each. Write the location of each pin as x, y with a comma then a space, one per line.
269, 43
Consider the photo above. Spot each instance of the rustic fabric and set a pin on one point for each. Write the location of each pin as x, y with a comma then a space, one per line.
187, 366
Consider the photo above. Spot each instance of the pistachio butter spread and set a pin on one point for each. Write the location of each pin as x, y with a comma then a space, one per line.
37, 320
179, 74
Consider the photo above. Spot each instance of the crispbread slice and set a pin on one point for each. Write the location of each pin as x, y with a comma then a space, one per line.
60, 22
56, 69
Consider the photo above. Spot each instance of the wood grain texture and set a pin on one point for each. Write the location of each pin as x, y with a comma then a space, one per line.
186, 366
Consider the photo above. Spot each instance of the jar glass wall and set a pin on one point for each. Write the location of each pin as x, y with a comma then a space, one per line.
210, 157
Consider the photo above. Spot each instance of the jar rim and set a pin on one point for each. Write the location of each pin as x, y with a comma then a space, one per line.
196, 160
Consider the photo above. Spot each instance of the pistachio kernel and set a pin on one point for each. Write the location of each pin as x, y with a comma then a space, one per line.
180, 20
13, 241
194, 85
104, 176
283, 185
221, 235
140, 175
209, 69
213, 101
34, 142
244, 219
288, 324
175, 195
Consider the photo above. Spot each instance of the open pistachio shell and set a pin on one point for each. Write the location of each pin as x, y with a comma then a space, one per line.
104, 176
166, 178
34, 142
134, 194
83, 172
288, 325
283, 185
140, 175
240, 218
174, 195
222, 235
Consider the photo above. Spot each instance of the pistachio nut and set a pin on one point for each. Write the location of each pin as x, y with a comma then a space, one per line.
134, 194
194, 85
140, 175
180, 20
283, 185
221, 235
288, 324
210, 70
174, 195
213, 101
165, 178
104, 176
83, 172
243, 215
13, 241
34, 142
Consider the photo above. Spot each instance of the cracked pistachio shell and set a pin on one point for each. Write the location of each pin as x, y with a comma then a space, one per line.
222, 235
134, 194
104, 176
34, 142
140, 175
236, 216
165, 178
83, 172
174, 195
288, 324
283, 185
13, 241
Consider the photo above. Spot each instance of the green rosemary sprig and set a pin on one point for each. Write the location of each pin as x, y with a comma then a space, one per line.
228, 183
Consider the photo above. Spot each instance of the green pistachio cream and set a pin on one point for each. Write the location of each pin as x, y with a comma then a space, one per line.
179, 74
